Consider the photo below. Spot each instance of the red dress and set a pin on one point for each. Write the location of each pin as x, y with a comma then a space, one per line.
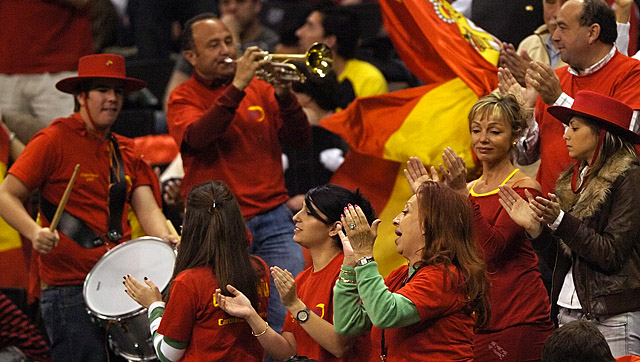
520, 307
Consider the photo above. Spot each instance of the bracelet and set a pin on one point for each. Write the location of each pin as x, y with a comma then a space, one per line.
347, 272
263, 332
348, 281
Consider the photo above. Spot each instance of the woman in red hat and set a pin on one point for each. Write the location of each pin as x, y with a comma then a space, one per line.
111, 177
588, 231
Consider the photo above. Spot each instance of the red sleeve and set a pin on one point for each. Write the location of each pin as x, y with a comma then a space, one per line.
141, 172
180, 313
627, 88
495, 238
31, 167
430, 290
196, 126
295, 130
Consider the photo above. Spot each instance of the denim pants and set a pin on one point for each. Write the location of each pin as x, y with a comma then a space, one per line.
621, 331
273, 241
73, 335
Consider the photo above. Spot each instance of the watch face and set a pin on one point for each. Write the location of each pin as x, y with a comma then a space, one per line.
302, 316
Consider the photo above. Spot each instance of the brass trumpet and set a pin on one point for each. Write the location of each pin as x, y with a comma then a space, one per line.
318, 60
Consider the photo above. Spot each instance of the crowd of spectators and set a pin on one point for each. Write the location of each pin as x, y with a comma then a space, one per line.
194, 97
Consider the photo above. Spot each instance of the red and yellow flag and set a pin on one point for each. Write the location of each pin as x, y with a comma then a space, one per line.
457, 61
12, 256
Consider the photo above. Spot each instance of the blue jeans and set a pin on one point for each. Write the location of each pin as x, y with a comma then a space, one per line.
73, 335
273, 242
621, 331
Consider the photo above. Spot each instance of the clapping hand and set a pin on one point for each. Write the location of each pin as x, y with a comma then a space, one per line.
359, 236
545, 81
145, 295
286, 285
238, 305
520, 210
546, 211
516, 63
416, 173
507, 84
455, 175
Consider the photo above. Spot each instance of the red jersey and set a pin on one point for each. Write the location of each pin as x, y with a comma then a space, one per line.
619, 78
47, 164
234, 136
445, 330
192, 315
316, 292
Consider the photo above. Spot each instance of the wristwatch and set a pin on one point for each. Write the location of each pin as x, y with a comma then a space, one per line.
364, 260
302, 315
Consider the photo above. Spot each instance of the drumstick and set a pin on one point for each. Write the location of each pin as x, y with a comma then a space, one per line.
63, 201
172, 229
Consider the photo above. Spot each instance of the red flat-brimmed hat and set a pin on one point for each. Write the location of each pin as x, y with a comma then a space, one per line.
96, 66
611, 114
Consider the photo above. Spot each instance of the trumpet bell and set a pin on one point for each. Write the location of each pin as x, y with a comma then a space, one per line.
319, 59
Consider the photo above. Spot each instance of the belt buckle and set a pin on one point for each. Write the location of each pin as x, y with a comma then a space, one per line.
113, 236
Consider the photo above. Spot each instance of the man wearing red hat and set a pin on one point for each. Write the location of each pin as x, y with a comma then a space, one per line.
228, 126
585, 36
111, 175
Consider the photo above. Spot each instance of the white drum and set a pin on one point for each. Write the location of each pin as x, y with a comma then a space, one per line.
104, 294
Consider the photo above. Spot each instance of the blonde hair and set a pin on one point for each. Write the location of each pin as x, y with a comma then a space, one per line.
501, 106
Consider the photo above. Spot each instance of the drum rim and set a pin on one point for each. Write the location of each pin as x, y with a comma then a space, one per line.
85, 285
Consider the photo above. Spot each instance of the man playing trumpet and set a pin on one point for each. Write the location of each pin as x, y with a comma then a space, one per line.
228, 126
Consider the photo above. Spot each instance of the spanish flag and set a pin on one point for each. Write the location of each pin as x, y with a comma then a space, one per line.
13, 261
457, 62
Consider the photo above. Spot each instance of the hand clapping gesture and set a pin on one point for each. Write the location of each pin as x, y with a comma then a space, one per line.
520, 210
145, 295
238, 305
416, 173
359, 237
455, 175
507, 84
286, 285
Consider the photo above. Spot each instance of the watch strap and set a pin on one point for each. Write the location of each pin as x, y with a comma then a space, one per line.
364, 260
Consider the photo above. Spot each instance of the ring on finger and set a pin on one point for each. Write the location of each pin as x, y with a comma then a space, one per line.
352, 225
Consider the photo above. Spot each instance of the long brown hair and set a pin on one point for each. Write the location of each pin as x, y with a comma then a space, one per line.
447, 221
214, 235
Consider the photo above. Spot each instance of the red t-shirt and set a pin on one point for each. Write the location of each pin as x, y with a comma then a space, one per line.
237, 139
619, 78
517, 293
445, 330
316, 292
47, 164
43, 36
192, 315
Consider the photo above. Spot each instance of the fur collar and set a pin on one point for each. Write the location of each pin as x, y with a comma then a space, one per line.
586, 203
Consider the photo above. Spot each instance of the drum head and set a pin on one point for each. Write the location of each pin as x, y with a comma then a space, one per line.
104, 293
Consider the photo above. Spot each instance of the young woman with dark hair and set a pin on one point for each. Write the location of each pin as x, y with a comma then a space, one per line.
213, 251
308, 328
587, 231
426, 310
